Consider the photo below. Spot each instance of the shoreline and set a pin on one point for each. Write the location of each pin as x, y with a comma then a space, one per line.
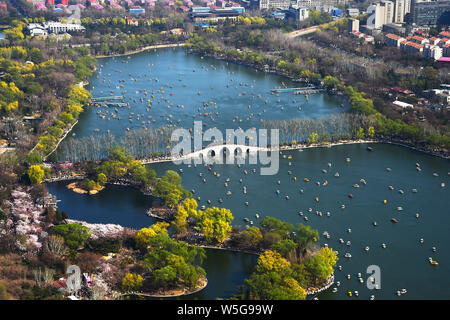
155, 46
282, 148
184, 293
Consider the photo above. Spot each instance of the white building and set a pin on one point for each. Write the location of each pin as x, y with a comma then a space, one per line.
37, 30
353, 25
300, 13
387, 12
375, 17
432, 52
59, 27
352, 12
274, 4
402, 104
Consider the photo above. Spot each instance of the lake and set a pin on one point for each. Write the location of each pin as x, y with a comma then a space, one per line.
404, 261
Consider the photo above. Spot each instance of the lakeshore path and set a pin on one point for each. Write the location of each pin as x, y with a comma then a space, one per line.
156, 46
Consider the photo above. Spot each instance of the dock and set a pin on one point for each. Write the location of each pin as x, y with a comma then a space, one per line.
104, 99
301, 90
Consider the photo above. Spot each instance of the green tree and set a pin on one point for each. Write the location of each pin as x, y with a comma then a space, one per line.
285, 247
330, 82
33, 158
304, 236
75, 235
271, 224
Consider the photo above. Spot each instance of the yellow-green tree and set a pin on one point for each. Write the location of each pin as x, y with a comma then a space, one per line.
371, 132
144, 235
313, 138
132, 281
188, 208
101, 179
360, 134
79, 94
36, 174
272, 261
330, 257
215, 224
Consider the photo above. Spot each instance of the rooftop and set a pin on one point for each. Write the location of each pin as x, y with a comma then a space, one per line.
393, 36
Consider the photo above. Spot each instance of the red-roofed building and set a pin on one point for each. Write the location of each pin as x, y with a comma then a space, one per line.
135, 21
419, 40
434, 40
446, 50
393, 40
444, 34
411, 47
443, 42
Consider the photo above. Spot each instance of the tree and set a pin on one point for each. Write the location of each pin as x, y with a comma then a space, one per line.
285, 247
330, 82
188, 208
55, 245
101, 179
173, 198
313, 138
33, 158
164, 277
371, 132
251, 237
36, 174
272, 261
273, 286
360, 134
271, 224
35, 55
317, 269
119, 153
132, 282
75, 235
304, 237
215, 224
3, 294
143, 237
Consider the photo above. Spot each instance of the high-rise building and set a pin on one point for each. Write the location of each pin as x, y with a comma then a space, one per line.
429, 12
375, 16
388, 11
400, 10
285, 4
380, 13
353, 25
